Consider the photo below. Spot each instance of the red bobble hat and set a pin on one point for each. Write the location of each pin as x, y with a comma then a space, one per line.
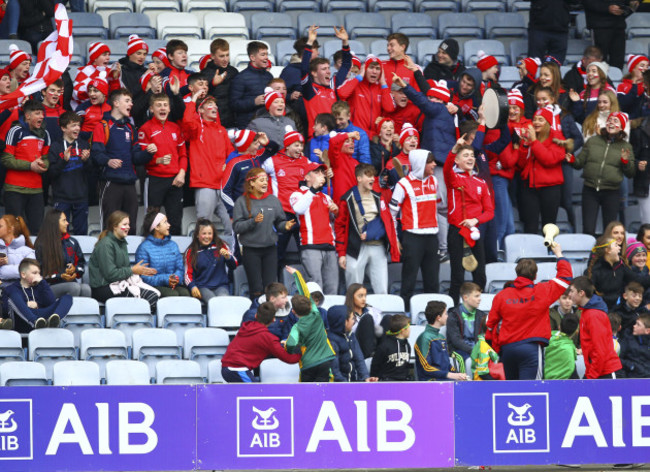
633, 60
204, 61
95, 50
136, 43
515, 98
16, 57
485, 61
100, 84
144, 80
372, 59
532, 65
291, 136
244, 138
162, 55
407, 130
622, 117
270, 96
381, 122
356, 61
546, 113
439, 90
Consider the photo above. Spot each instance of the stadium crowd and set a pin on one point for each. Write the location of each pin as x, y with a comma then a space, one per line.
363, 163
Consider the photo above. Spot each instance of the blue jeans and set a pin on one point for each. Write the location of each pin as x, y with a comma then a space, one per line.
523, 361
9, 23
503, 217
79, 213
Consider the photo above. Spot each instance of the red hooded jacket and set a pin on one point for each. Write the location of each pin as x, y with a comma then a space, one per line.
542, 163
596, 340
367, 102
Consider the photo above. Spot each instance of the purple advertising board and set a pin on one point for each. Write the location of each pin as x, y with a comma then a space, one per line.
97, 428
325, 426
552, 422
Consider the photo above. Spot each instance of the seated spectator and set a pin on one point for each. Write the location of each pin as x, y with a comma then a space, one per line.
630, 307
431, 354
15, 245
383, 146
341, 113
252, 344
277, 294
160, 252
368, 326
445, 64
483, 357
324, 124
111, 273
30, 301
563, 308
464, 321
207, 262
349, 365
273, 123
391, 360
62, 260
635, 349
560, 355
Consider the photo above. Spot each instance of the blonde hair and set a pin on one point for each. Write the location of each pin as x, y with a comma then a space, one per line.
591, 122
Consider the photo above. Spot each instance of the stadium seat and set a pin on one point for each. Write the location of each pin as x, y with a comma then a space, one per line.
518, 50
227, 312
178, 25
331, 300
616, 75
518, 5
390, 6
633, 46
204, 345
124, 24
127, 373
413, 25
11, 346
426, 50
277, 371
454, 25
214, 372
288, 280
22, 374
436, 6
151, 345
196, 49
83, 314
508, 75
486, 302
178, 372
160, 6
325, 21
329, 48
106, 7
183, 242
575, 49
525, 245
65, 373
87, 25
117, 47
474, 6
386, 303
210, 5
49, 345
298, 6
546, 271
277, 25
416, 331
360, 25
250, 5
103, 345
576, 246
498, 25
491, 47
128, 315
180, 314
497, 274
224, 25
419, 302
638, 26
344, 6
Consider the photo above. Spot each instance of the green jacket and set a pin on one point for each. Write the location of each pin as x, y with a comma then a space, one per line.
560, 357
601, 161
109, 261
308, 335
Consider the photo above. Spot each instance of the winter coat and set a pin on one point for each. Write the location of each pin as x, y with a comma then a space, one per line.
380, 156
250, 83
274, 126
391, 360
596, 340
162, 255
349, 365
16, 252
542, 163
109, 261
610, 281
130, 78
210, 269
68, 178
436, 71
603, 164
640, 141
456, 329
222, 91
549, 16
635, 356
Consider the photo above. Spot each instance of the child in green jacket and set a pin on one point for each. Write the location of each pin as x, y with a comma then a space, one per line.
560, 356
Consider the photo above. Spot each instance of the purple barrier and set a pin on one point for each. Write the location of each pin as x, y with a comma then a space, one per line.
322, 426
97, 428
552, 422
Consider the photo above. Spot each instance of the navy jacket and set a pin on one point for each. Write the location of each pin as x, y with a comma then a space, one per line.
250, 83
68, 179
211, 269
349, 365
72, 254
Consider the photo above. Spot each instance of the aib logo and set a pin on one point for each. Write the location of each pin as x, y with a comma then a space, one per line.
15, 429
520, 422
265, 427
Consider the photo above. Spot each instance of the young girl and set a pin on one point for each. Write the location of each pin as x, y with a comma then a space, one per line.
367, 324
585, 102
607, 103
631, 90
550, 77
207, 261
62, 260
383, 146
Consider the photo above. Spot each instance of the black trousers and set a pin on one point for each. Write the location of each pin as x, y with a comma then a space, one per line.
611, 42
103, 293
159, 192
606, 200
318, 373
122, 197
543, 201
261, 267
420, 252
455, 247
27, 205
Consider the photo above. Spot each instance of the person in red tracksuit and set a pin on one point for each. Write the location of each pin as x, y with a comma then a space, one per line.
601, 360
396, 46
343, 164
166, 170
368, 95
469, 205
518, 324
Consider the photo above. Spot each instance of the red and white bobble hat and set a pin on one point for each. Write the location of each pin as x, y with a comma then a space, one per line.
243, 139
144, 80
204, 61
485, 61
547, 114
623, 118
17, 56
95, 50
100, 83
161, 54
439, 90
532, 65
515, 98
291, 136
407, 131
356, 61
634, 60
136, 43
270, 96
372, 59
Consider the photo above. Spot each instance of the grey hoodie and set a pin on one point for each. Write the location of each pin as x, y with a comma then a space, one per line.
418, 161
275, 127
250, 233
16, 252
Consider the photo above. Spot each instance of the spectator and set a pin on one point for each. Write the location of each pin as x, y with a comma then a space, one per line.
637, 255
247, 92
60, 256
9, 19
560, 356
292, 76
53, 109
342, 162
383, 146
585, 102
409, 140
368, 327
615, 323
466, 92
640, 140
484, 358
643, 236
341, 112
324, 127
635, 355
176, 72
273, 123
601, 361
597, 119
405, 110
630, 307
391, 360
19, 63
35, 22
158, 251
606, 20
563, 308
630, 91
396, 46
464, 321
99, 56
575, 79
92, 111
111, 273
445, 64
15, 245
548, 28
132, 69
221, 75
277, 294
349, 365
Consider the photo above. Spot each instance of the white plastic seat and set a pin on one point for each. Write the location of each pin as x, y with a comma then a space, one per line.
204, 345
49, 345
427, 49
227, 312
128, 315
11, 346
178, 24
151, 345
225, 25
276, 371
178, 372
418, 303
84, 314
386, 303
331, 300
127, 372
103, 345
497, 274
75, 373
184, 242
546, 271
577, 246
214, 371
180, 314
519, 246
22, 373
486, 302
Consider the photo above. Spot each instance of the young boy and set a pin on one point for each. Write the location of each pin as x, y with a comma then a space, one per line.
273, 122
99, 56
635, 349
19, 62
278, 295
176, 71
341, 113
30, 301
252, 344
630, 307
432, 357
220, 75
349, 365
92, 111
482, 354
316, 212
53, 109
601, 361
560, 355
196, 82
247, 92
464, 322
68, 162
563, 308
166, 171
308, 336
324, 124
391, 360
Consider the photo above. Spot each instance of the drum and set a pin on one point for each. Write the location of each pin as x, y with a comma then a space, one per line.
495, 107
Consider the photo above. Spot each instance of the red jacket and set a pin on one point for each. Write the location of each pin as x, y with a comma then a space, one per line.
596, 340
254, 343
313, 214
398, 67
24, 145
286, 173
507, 159
522, 310
92, 114
409, 114
168, 139
542, 163
343, 166
467, 195
367, 102
209, 147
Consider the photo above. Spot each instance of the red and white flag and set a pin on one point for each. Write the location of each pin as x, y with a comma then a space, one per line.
53, 59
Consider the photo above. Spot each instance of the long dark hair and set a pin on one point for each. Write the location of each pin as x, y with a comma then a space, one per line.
195, 245
48, 244
349, 296
152, 212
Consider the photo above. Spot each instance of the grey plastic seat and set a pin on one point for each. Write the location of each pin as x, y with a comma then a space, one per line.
151, 345
178, 372
344, 6
276, 371
638, 25
325, 21
414, 25
229, 25
491, 47
49, 345
11, 346
204, 345
525, 245
122, 24
272, 24
332, 46
386, 302
426, 49
518, 50
75, 373
454, 25
360, 25
419, 302
390, 6
127, 372
128, 315
180, 314
103, 345
84, 314
214, 371
87, 25
4, 48
436, 6
576, 246
575, 49
499, 25
227, 312
497, 274
23, 374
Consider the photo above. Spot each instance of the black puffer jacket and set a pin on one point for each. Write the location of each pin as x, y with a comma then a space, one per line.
610, 281
436, 71
549, 15
250, 83
222, 91
131, 74
635, 356
640, 139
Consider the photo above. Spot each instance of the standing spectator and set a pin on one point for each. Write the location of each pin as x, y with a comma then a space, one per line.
560, 356
92, 111
349, 365
99, 57
520, 331
62, 261
606, 20
15, 245
292, 76
221, 75
576, 77
324, 128
445, 64
585, 102
548, 29
631, 90
132, 69
640, 140
341, 113
53, 109
247, 92
397, 62
35, 22
383, 146
273, 123
597, 119
601, 361
176, 71
563, 308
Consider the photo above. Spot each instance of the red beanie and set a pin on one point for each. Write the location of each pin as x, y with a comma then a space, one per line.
439, 90
356, 61
622, 117
162, 55
372, 59
95, 50
144, 80
634, 60
407, 130
291, 137
532, 65
204, 61
17, 57
485, 61
270, 96
100, 84
546, 113
516, 98
381, 122
136, 43
243, 139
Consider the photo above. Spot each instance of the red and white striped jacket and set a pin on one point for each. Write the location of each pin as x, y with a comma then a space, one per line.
314, 216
